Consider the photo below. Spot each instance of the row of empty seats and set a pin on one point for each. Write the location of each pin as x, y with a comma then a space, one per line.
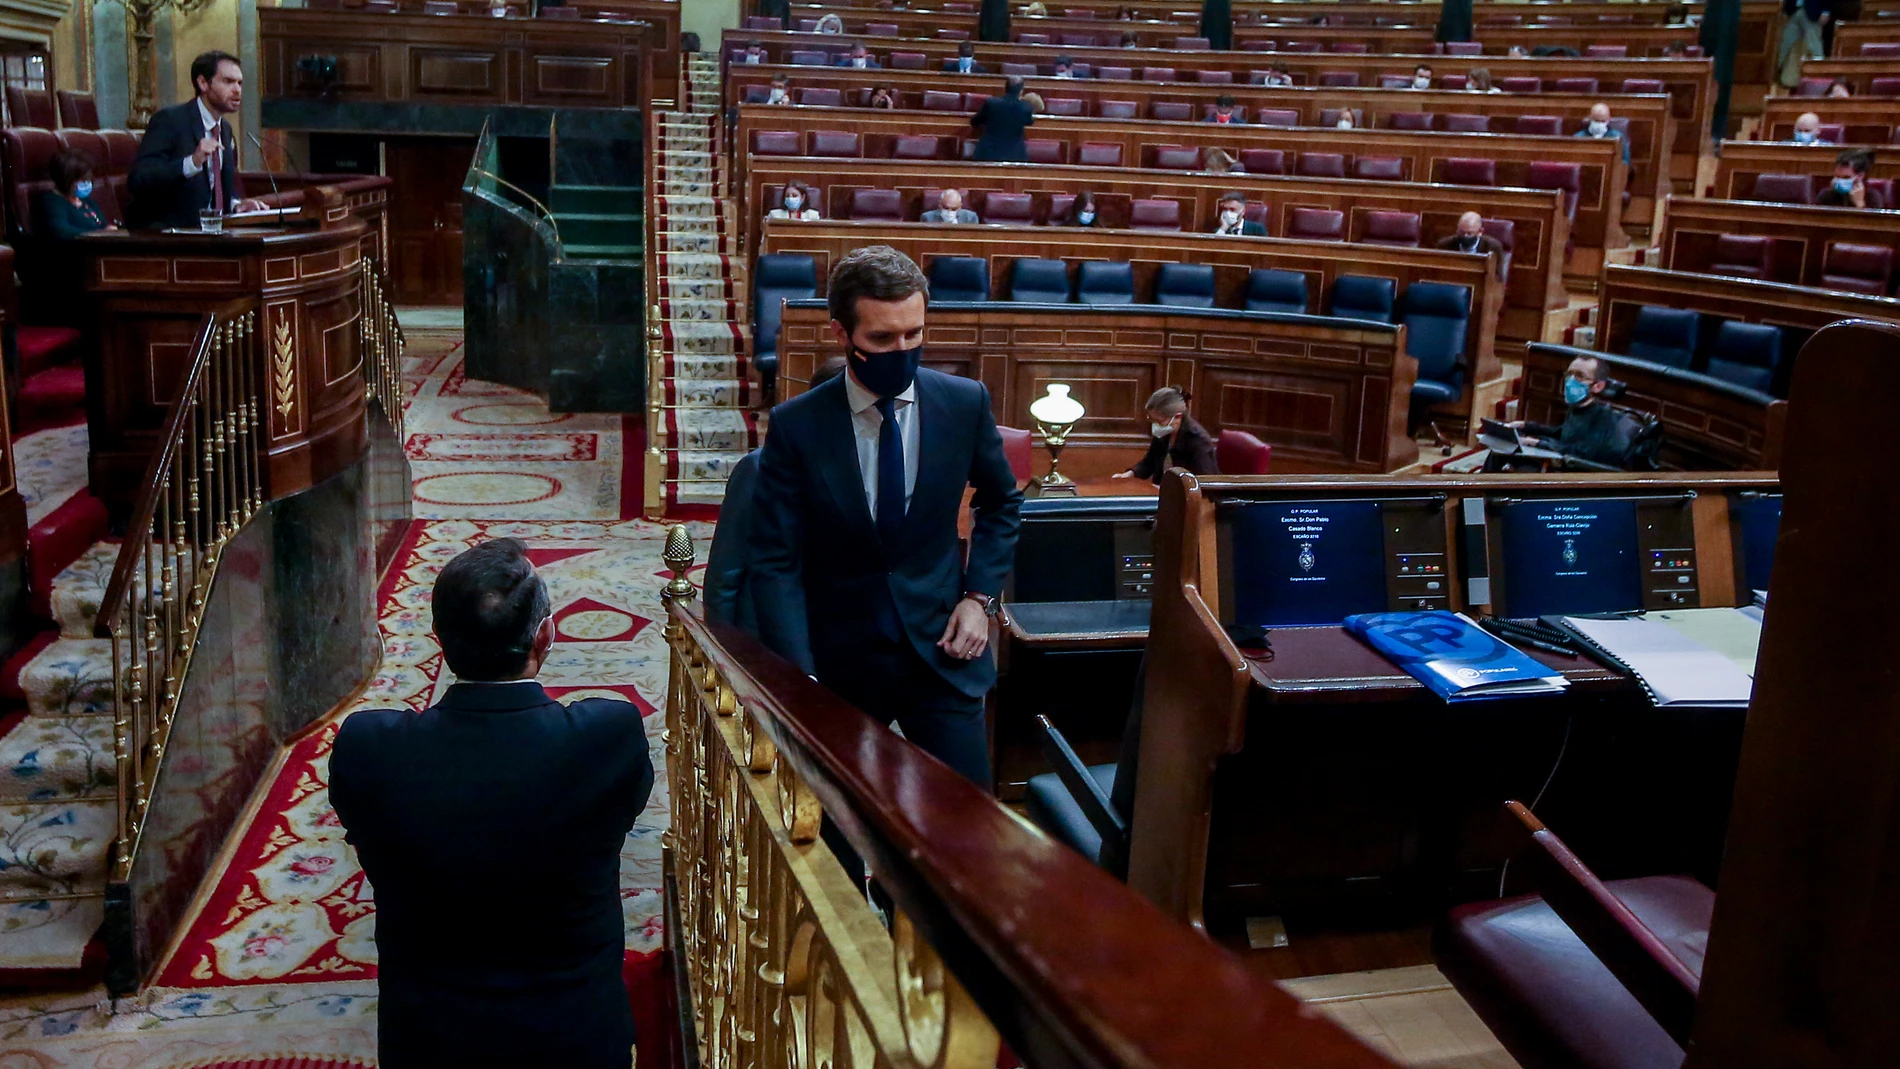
1436, 315
1191, 43
1849, 266
46, 108
1748, 355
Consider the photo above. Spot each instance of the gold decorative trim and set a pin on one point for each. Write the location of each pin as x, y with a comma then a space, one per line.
284, 357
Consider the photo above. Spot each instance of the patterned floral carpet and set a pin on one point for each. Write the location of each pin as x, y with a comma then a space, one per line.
278, 960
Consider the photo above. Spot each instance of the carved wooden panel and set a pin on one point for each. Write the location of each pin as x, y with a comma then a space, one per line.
461, 73
580, 79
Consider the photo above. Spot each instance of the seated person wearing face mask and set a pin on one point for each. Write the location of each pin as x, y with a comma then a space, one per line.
1849, 188
1278, 78
1178, 442
780, 93
66, 210
1807, 130
1347, 120
950, 209
1593, 429
1598, 126
883, 99
860, 58
1082, 211
754, 54
1064, 68
1224, 112
1233, 220
794, 203
1470, 237
1422, 76
965, 63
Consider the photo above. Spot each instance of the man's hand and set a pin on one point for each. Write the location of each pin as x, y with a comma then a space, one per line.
206, 146
1123, 475
1528, 441
968, 633
250, 204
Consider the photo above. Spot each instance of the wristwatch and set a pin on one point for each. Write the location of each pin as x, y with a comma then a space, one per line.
990, 604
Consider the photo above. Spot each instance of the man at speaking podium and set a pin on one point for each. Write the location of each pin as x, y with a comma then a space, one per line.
187, 161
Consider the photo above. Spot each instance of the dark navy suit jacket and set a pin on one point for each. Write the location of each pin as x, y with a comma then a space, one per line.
160, 194
1000, 123
819, 572
490, 827
729, 563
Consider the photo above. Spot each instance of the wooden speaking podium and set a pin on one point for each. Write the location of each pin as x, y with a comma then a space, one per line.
148, 292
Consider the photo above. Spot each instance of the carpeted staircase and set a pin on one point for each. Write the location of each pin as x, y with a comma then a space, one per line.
699, 292
57, 765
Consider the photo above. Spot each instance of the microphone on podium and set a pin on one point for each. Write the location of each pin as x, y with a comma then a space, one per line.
275, 193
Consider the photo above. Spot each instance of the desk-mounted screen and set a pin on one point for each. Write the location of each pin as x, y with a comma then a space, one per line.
1570, 556
1757, 522
1084, 549
1306, 562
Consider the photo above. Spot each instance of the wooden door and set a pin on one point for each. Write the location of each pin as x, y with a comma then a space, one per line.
425, 217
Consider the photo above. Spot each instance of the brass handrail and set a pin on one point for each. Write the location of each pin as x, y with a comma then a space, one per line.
383, 345
203, 483
542, 208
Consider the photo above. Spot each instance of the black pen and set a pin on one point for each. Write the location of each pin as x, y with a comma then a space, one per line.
1512, 637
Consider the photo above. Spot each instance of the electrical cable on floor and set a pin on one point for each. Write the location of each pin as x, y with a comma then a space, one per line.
1570, 722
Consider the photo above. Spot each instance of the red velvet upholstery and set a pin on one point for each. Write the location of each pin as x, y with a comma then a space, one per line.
1884, 87
917, 147
1410, 120
1741, 255
1032, 38
1521, 84
1263, 160
1857, 268
1382, 168
1606, 51
1066, 105
938, 100
880, 29
1338, 79
1396, 229
1117, 74
909, 61
1547, 125
31, 107
1013, 209
1045, 150
1783, 189
1576, 85
1119, 109
1157, 74
1099, 154
1019, 447
1643, 85
1812, 87
1240, 453
776, 143
1155, 214
877, 205
834, 143
1277, 117
1470, 171
1320, 165
1349, 47
1464, 48
824, 97
1027, 70
1177, 158
1565, 176
1317, 224
28, 150
1171, 110
1214, 77
51, 394
1190, 44
1886, 49
1468, 124
44, 347
57, 541
77, 110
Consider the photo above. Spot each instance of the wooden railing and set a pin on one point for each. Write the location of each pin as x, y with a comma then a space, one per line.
203, 485
996, 930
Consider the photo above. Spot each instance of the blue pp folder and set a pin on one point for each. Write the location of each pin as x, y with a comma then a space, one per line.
1456, 658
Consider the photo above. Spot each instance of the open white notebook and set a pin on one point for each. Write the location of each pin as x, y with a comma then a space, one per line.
1674, 668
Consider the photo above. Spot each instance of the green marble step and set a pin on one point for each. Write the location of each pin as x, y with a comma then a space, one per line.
599, 228
600, 252
604, 199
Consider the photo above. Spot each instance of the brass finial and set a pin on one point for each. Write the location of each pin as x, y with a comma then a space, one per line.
678, 556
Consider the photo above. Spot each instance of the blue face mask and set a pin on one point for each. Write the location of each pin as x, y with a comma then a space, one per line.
82, 189
1575, 391
1087, 217
1805, 137
886, 374
1844, 186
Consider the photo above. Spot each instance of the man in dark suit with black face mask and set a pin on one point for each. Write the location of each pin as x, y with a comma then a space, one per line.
1470, 237
857, 574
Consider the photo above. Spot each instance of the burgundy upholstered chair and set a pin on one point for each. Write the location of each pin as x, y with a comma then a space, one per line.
839, 143
1381, 168
1742, 256
1119, 109
1157, 74
1470, 171
1047, 150
1506, 232
1606, 51
1032, 38
1574, 85
1098, 154
776, 143
1881, 49
1329, 117
805, 57
1263, 160
1177, 158
1214, 77
1207, 112
1464, 48
1171, 110
1010, 209
1521, 84
1320, 165
1338, 79
1857, 268
77, 110
1547, 125
821, 97
1356, 48
1812, 87
1239, 453
909, 61
1884, 87
1394, 229
1277, 117
880, 29
1117, 74
877, 205
938, 100
918, 147
1019, 449
1316, 224
31, 107
1468, 124
953, 35
1567, 177
1065, 105
1190, 44
1410, 120
1643, 85
1155, 214
1783, 189
1395, 81
1027, 70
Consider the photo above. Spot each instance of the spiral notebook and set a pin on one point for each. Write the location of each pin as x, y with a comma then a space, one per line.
1672, 667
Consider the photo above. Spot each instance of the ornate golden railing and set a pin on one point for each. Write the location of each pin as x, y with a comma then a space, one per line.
783, 963
382, 347
204, 483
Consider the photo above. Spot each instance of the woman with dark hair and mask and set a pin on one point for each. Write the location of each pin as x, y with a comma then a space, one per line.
1178, 442
1082, 210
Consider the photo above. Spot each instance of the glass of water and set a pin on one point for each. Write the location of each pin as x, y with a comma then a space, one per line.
211, 220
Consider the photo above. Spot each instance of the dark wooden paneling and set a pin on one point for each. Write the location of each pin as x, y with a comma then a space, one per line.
1798, 309
1741, 161
1865, 120
1801, 233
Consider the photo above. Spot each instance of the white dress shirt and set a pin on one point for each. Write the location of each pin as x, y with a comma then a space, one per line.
867, 421
208, 124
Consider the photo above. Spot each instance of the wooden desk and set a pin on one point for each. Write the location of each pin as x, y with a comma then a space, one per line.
1801, 234
1486, 13
1320, 783
1865, 120
1741, 161
465, 60
1536, 305
1860, 73
1708, 424
1328, 395
1601, 174
1661, 152
1688, 82
148, 291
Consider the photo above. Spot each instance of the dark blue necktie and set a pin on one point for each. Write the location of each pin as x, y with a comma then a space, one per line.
890, 473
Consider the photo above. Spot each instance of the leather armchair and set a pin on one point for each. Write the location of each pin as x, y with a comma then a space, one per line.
959, 278
1269, 290
1393, 229
1321, 165
1010, 209
1470, 171
1105, 282
1039, 281
1316, 224
877, 205
1783, 189
1742, 255
1363, 297
1665, 336
776, 277
1185, 285
1263, 160
1155, 214
838, 143
1857, 268
1240, 453
1746, 354
1436, 317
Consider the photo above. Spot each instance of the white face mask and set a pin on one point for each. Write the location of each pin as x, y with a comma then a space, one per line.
1345, 122
777, 97
1421, 81
1229, 219
1085, 217
950, 214
794, 202
1598, 128
1160, 430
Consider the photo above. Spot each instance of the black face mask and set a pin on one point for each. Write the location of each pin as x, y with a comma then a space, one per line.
1469, 244
886, 374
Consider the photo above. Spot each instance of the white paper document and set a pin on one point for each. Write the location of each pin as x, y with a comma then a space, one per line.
1674, 668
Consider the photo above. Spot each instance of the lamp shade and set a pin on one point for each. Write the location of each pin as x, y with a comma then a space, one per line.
1056, 406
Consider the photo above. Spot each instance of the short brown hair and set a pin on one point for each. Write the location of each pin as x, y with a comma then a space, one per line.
1860, 159
875, 271
66, 169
